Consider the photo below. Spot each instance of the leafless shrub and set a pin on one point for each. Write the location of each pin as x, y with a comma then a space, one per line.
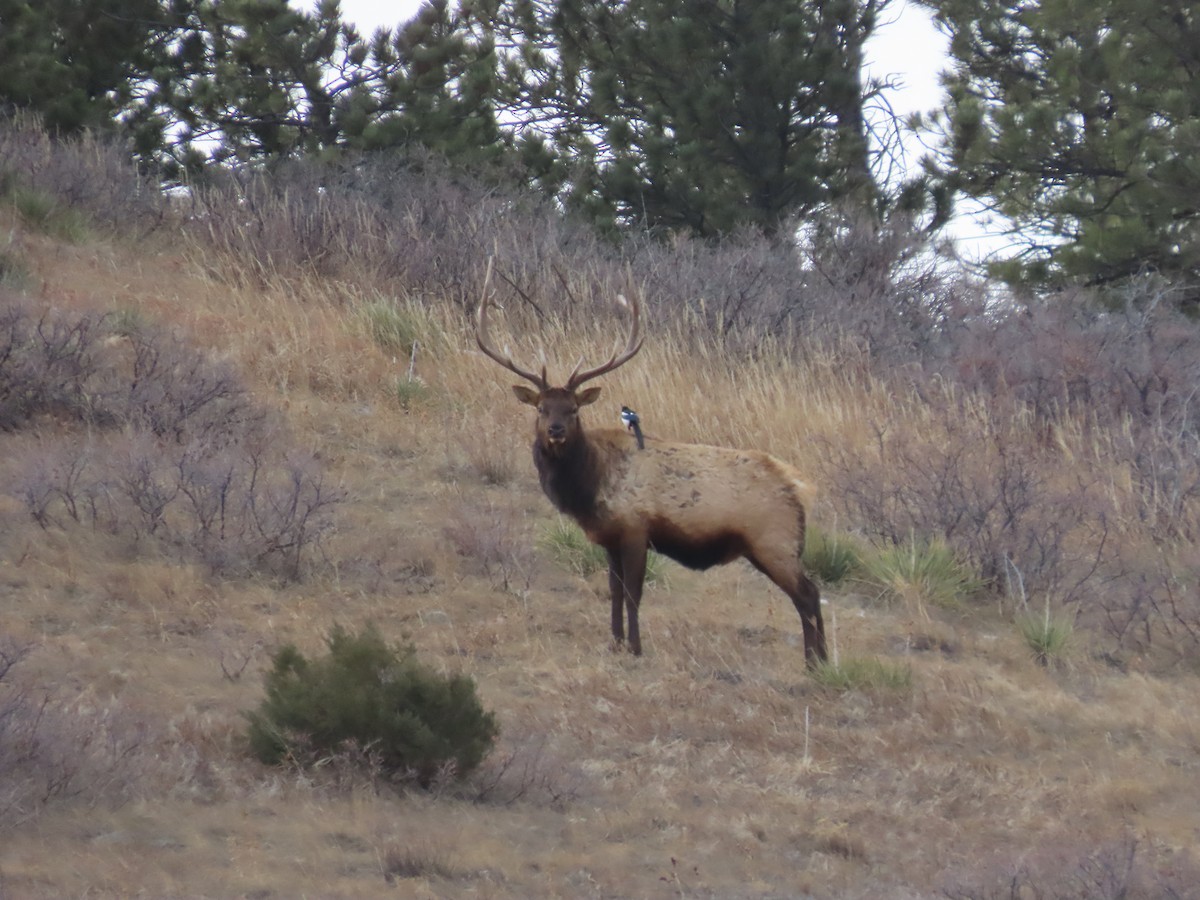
177, 452
56, 750
1130, 373
418, 860
165, 387
234, 662
529, 772
48, 362
1139, 360
408, 222
989, 491
1149, 599
1119, 869
236, 509
87, 173
496, 542
880, 286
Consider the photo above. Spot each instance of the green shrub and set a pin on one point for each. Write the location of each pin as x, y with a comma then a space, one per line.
830, 556
374, 698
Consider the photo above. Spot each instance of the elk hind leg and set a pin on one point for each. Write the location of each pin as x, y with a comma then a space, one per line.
807, 600
806, 597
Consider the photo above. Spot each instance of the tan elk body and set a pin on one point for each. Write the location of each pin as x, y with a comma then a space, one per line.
699, 505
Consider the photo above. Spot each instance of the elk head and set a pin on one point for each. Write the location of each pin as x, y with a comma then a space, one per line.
558, 407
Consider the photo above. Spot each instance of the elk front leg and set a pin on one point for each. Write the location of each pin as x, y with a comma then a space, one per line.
626, 575
616, 590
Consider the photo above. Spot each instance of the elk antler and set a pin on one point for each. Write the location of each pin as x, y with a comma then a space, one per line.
482, 339
632, 346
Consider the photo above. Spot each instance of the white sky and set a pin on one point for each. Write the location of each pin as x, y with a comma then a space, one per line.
906, 46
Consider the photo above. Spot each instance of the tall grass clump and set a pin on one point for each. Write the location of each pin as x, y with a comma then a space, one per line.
571, 549
374, 699
399, 329
863, 674
46, 213
14, 270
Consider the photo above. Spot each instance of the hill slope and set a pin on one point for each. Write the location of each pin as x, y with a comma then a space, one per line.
715, 766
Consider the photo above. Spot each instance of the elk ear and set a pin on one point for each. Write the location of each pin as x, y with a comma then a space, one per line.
526, 394
583, 398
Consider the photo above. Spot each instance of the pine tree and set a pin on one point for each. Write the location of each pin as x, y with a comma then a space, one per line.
264, 80
1080, 122
703, 115
74, 62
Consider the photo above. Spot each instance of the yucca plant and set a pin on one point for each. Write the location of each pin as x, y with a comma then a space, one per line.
831, 556
921, 572
1047, 634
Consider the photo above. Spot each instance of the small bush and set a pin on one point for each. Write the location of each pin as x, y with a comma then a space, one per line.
831, 557
61, 746
376, 699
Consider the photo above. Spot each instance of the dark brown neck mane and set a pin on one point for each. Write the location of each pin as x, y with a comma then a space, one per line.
570, 476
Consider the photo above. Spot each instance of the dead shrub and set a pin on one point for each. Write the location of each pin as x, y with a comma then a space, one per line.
1149, 599
87, 173
1121, 868
496, 541
174, 451
1126, 374
982, 486
49, 363
528, 771
56, 749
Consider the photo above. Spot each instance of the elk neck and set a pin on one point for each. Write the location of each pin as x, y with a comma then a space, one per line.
571, 474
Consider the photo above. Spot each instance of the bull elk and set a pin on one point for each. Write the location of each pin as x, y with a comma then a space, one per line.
699, 505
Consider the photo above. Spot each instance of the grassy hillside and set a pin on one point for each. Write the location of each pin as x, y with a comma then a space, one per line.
939, 757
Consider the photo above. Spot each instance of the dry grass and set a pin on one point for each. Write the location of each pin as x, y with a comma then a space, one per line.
714, 766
